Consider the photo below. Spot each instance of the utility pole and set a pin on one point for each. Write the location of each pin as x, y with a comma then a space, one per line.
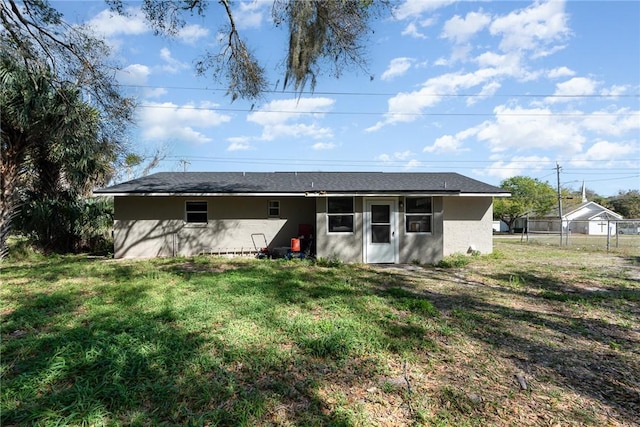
559, 202
184, 163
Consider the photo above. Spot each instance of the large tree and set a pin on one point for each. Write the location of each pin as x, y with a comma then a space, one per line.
323, 35
70, 66
53, 155
626, 203
61, 107
528, 196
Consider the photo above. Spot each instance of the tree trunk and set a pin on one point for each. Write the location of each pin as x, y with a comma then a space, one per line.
11, 158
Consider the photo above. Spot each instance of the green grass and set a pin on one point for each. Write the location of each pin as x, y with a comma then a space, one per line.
205, 341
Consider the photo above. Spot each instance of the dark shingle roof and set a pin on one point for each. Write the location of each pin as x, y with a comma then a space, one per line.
300, 182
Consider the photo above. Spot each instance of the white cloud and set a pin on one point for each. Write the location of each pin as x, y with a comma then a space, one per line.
523, 33
544, 133
134, 74
612, 122
276, 117
323, 146
533, 28
137, 75
522, 129
605, 150
397, 67
515, 166
250, 14
495, 60
542, 52
239, 144
460, 30
397, 156
171, 65
444, 144
154, 92
575, 87
460, 52
168, 121
414, 8
109, 24
427, 22
450, 144
560, 72
411, 30
614, 91
487, 90
441, 62
402, 155
413, 164
192, 33
407, 106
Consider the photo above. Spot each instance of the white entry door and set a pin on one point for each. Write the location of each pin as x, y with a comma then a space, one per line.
381, 243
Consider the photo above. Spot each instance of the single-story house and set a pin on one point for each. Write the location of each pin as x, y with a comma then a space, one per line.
368, 217
589, 218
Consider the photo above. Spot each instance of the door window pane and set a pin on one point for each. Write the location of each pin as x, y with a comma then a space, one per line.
380, 214
380, 234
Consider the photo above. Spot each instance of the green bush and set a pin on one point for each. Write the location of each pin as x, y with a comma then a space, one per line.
67, 224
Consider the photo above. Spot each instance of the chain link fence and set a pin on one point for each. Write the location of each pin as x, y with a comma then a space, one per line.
607, 234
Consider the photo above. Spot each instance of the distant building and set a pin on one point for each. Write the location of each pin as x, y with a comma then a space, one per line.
589, 218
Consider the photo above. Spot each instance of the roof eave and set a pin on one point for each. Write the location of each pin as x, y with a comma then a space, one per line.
299, 194
192, 194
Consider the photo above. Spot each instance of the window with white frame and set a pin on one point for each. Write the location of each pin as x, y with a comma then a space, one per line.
340, 214
274, 208
196, 212
418, 214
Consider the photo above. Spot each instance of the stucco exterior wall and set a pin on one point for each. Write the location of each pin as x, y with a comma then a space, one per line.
345, 246
154, 226
425, 248
467, 221
148, 226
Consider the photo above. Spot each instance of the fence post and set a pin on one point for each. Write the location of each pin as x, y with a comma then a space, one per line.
608, 235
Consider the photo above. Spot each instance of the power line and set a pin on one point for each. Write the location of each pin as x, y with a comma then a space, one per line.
362, 113
400, 161
379, 164
440, 95
605, 179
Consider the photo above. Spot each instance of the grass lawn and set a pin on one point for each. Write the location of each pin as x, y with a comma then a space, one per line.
530, 335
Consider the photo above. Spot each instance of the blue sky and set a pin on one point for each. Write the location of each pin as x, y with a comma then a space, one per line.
486, 89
